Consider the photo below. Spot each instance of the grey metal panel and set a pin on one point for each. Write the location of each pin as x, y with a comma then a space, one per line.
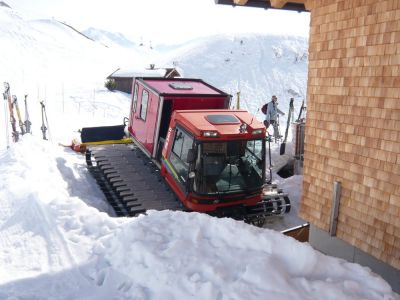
322, 241
157, 129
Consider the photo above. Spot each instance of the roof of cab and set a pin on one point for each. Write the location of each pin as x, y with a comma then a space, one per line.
198, 121
180, 86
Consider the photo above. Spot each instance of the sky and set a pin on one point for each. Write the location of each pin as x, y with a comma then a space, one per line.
160, 21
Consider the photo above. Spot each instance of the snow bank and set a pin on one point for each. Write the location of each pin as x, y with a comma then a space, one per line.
193, 256
57, 244
45, 193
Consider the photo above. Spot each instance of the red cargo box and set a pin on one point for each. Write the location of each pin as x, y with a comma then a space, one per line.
154, 100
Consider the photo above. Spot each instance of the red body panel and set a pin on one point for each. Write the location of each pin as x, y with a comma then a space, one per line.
202, 96
143, 130
187, 103
191, 200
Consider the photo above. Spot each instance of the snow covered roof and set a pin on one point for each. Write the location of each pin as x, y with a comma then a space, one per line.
150, 72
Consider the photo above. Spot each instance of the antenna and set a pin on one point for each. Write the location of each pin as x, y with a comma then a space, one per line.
258, 109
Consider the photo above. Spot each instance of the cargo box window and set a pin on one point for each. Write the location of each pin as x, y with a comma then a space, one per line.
143, 105
134, 101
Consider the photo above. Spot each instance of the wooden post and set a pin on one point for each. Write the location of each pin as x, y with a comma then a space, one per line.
335, 207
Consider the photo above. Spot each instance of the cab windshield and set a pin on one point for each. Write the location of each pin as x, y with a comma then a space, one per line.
229, 167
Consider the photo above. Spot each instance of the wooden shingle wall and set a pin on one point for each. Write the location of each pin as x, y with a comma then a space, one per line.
353, 123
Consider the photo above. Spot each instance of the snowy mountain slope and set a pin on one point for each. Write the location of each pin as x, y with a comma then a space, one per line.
2, 3
134, 56
258, 66
107, 38
51, 62
35, 46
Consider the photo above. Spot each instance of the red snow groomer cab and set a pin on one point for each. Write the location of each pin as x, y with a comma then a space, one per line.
213, 158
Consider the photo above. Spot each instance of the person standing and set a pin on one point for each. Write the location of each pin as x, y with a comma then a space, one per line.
271, 115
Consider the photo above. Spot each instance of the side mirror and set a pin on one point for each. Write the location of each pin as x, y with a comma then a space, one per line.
191, 156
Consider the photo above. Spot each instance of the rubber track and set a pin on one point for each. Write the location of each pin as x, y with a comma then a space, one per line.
131, 182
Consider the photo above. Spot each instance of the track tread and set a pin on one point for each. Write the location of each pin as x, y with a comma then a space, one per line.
131, 182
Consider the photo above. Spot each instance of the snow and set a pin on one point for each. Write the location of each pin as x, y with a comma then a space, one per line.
148, 72
107, 38
58, 242
59, 239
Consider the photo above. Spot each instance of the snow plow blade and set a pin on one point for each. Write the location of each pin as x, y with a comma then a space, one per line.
274, 203
102, 133
107, 142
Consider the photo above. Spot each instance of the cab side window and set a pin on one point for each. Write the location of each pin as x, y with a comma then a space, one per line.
178, 157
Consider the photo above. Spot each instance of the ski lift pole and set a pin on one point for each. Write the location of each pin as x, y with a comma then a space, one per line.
290, 117
270, 159
43, 128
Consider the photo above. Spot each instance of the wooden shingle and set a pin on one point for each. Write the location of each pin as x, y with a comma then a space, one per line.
353, 123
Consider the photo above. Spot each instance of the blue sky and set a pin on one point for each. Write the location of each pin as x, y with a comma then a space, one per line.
164, 21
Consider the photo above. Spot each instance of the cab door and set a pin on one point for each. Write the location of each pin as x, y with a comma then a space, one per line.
133, 108
144, 118
177, 165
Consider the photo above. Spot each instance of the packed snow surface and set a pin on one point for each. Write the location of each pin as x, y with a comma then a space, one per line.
59, 238
56, 243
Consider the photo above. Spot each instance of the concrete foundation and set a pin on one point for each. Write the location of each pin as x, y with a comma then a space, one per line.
322, 241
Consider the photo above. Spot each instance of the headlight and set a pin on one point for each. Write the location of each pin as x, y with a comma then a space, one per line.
210, 133
257, 131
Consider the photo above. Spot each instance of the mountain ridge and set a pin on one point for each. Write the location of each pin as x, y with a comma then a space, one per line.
258, 66
108, 38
